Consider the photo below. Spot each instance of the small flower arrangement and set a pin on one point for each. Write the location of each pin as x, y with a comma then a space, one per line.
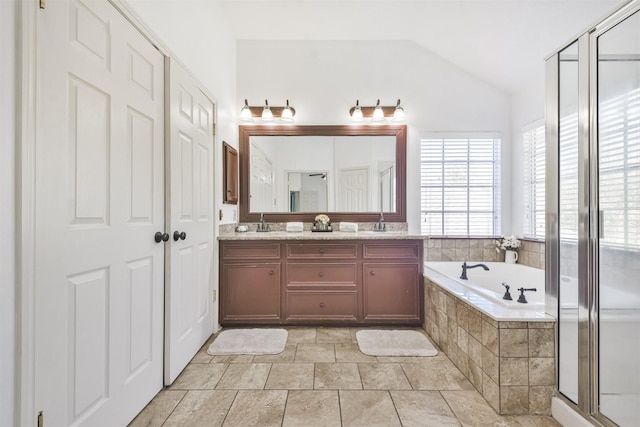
323, 219
510, 243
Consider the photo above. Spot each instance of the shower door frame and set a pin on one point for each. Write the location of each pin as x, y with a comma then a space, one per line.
588, 210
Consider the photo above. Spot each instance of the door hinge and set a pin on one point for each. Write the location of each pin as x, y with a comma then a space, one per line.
42, 4
214, 129
40, 415
215, 295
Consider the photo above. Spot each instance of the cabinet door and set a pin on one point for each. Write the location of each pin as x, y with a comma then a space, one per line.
391, 293
250, 292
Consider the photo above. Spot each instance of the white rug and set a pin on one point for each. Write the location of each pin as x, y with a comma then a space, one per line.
249, 341
376, 342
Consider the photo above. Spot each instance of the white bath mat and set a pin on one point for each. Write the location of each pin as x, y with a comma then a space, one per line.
376, 342
249, 341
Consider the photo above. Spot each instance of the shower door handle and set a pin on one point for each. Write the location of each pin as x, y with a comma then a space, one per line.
601, 224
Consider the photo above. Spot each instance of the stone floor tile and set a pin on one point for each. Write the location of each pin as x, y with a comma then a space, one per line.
349, 352
202, 408
383, 376
199, 377
333, 335
287, 355
416, 407
301, 335
471, 409
435, 376
290, 376
157, 411
337, 376
367, 408
245, 376
264, 408
312, 408
315, 353
233, 358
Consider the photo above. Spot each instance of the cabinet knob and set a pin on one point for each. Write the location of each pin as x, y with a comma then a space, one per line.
271, 273
373, 273
321, 305
321, 250
321, 274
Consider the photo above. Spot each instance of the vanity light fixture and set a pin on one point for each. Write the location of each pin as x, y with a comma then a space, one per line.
398, 113
266, 113
245, 113
378, 114
287, 114
356, 112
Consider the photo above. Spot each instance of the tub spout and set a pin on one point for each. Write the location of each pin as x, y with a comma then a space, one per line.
463, 276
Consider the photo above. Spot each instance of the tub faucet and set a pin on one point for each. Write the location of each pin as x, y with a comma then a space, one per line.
380, 226
522, 298
507, 295
463, 276
263, 226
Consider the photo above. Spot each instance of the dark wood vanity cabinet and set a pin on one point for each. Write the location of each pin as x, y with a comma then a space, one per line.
250, 276
328, 282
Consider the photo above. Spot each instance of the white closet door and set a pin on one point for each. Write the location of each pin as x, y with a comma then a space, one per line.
100, 200
189, 295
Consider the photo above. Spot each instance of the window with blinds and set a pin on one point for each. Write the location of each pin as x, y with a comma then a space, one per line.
460, 186
534, 184
619, 169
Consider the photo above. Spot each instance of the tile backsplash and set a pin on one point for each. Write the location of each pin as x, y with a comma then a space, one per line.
531, 252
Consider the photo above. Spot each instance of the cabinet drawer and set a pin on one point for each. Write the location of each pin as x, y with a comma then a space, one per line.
309, 274
408, 250
321, 250
250, 250
322, 305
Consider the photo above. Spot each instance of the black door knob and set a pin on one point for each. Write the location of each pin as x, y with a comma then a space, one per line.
178, 235
161, 237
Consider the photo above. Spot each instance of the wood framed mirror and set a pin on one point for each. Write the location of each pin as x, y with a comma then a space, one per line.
229, 174
351, 173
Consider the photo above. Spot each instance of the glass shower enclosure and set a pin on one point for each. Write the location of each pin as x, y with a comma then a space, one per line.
593, 218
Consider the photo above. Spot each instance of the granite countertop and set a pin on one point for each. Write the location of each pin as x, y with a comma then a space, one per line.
309, 235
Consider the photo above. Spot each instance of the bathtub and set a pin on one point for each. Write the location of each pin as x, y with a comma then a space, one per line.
484, 289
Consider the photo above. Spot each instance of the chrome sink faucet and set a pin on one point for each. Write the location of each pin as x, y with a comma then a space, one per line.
463, 276
263, 226
380, 225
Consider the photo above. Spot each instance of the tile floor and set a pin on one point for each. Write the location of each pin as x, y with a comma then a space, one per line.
322, 379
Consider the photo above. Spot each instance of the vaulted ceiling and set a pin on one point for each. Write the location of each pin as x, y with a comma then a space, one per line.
503, 42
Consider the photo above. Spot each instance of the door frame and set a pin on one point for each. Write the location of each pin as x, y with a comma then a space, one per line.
25, 412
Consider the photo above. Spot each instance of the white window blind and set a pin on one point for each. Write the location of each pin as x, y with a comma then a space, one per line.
568, 175
460, 186
534, 183
619, 168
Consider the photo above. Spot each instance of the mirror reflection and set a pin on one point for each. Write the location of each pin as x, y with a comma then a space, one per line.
318, 173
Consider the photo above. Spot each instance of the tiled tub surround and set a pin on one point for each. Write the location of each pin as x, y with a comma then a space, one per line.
531, 252
511, 363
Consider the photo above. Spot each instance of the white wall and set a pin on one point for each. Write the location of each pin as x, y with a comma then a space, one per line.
197, 33
527, 109
323, 79
7, 208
